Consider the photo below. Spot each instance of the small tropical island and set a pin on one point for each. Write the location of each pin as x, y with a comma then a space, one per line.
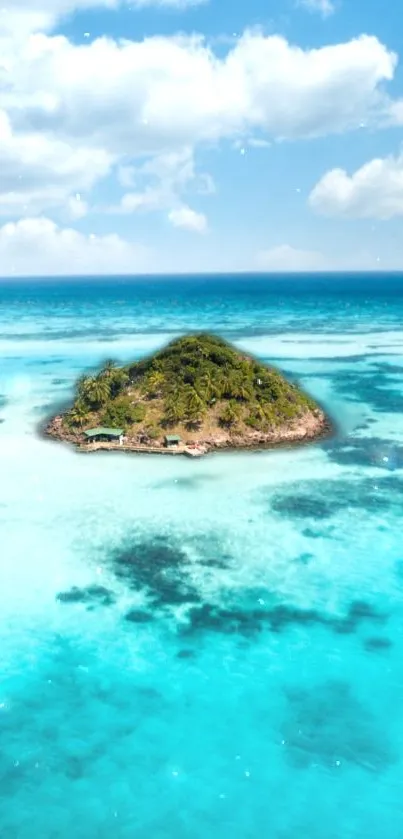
196, 395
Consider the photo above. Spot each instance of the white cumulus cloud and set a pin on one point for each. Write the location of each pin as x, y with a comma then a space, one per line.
188, 219
38, 171
72, 112
76, 207
166, 93
23, 16
373, 191
39, 246
135, 114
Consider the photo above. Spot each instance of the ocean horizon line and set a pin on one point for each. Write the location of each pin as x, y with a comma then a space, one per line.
205, 275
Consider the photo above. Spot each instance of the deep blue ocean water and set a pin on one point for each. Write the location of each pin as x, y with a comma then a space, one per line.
211, 648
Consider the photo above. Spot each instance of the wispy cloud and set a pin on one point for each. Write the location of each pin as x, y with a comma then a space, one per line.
322, 7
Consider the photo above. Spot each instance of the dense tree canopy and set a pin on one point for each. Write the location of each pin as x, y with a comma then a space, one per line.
195, 380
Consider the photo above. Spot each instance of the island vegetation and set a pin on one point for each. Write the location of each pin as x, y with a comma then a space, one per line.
199, 388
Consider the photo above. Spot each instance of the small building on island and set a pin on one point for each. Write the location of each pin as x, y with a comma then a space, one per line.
104, 435
171, 441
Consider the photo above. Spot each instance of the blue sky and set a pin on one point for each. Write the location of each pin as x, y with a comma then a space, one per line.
176, 135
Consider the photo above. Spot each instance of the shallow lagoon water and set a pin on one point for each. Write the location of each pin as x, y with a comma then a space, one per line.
210, 648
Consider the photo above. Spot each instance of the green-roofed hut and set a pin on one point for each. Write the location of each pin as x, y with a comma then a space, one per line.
172, 440
103, 435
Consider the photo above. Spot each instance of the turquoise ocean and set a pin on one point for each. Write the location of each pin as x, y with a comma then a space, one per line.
211, 648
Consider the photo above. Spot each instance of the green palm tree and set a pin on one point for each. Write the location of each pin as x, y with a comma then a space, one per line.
174, 410
230, 414
226, 382
117, 379
97, 390
206, 387
258, 418
108, 368
155, 382
82, 387
195, 407
79, 413
269, 414
241, 388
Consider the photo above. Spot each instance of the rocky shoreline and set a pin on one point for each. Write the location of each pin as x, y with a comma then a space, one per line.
309, 428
